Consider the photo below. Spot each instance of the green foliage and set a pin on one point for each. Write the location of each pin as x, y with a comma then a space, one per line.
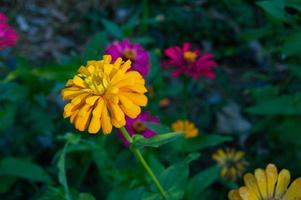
16, 167
157, 140
198, 183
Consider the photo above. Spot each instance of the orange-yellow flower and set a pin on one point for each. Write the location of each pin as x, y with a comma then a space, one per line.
102, 93
189, 129
268, 184
232, 163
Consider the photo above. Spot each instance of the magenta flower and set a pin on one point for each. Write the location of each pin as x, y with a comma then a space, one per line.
8, 37
137, 126
133, 52
190, 62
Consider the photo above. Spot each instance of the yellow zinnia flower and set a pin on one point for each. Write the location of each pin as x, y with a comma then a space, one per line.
268, 185
102, 93
189, 129
231, 162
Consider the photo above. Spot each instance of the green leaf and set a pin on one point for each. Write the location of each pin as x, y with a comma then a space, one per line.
62, 172
274, 8
53, 193
126, 194
201, 181
264, 93
157, 140
95, 46
112, 28
201, 142
295, 70
57, 72
288, 130
22, 168
86, 196
283, 105
174, 178
70, 138
255, 34
5, 183
157, 127
294, 4
292, 45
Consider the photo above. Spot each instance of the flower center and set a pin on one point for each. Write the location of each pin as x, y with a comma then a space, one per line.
129, 54
98, 82
139, 126
190, 56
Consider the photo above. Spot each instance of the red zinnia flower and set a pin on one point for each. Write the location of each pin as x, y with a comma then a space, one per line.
8, 37
187, 61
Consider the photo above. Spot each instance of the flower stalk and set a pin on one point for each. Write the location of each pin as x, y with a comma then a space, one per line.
141, 159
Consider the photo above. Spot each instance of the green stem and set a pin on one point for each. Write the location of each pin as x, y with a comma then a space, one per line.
185, 94
141, 159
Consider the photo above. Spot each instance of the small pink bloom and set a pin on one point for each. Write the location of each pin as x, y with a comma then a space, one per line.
8, 37
137, 126
184, 60
130, 51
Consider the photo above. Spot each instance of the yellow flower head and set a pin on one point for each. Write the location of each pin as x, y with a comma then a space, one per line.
189, 129
232, 163
268, 185
102, 93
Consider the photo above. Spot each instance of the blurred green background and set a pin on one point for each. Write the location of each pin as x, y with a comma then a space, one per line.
254, 104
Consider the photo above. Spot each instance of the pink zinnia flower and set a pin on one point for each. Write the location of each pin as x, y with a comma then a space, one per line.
137, 126
187, 61
133, 52
8, 37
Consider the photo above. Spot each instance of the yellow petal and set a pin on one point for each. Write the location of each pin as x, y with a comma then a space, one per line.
125, 101
83, 70
262, 182
131, 112
294, 191
139, 88
246, 194
224, 171
251, 184
238, 155
138, 99
106, 121
95, 125
73, 116
272, 175
79, 82
283, 181
68, 110
84, 110
91, 100
116, 112
107, 58
234, 195
118, 62
82, 120
98, 108
69, 93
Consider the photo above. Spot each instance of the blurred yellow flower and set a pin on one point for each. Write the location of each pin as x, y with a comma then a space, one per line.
189, 129
268, 185
232, 163
102, 93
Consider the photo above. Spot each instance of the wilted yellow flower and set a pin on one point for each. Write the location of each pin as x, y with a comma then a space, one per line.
102, 93
268, 185
189, 129
232, 163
